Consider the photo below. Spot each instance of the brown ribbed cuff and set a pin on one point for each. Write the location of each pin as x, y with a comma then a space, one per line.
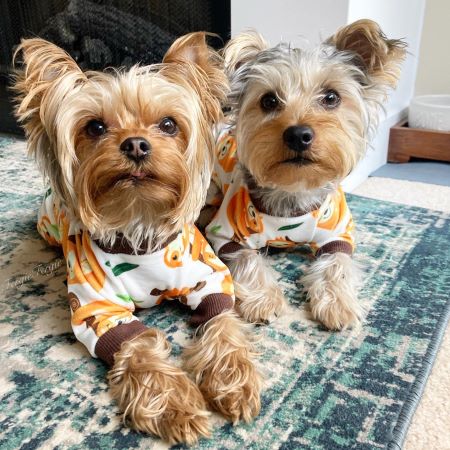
211, 306
229, 247
110, 342
335, 247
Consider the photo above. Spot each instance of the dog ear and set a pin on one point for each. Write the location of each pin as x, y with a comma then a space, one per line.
46, 69
378, 56
47, 74
203, 68
190, 47
242, 48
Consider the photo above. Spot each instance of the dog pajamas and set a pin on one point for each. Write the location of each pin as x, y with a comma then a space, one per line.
239, 223
107, 283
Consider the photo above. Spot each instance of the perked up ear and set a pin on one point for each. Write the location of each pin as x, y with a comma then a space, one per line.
190, 47
379, 57
48, 73
241, 49
203, 67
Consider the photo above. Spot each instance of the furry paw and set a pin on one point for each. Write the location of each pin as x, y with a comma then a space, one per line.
335, 313
221, 362
155, 396
260, 305
331, 288
234, 393
260, 299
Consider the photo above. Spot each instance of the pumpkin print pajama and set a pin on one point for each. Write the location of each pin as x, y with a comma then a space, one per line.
106, 284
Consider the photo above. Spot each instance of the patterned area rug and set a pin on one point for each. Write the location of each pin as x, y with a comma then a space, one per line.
351, 390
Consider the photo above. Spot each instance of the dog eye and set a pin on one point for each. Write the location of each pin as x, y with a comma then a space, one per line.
95, 128
168, 126
269, 102
331, 99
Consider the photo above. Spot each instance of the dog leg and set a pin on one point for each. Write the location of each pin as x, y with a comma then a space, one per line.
220, 360
259, 297
331, 288
155, 396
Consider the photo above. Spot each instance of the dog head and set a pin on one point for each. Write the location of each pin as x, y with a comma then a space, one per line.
127, 151
303, 118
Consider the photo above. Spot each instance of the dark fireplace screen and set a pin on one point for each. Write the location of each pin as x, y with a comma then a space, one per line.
102, 33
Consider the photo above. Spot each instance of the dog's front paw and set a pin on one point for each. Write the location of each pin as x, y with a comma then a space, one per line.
259, 304
259, 297
221, 362
155, 396
234, 391
336, 310
331, 288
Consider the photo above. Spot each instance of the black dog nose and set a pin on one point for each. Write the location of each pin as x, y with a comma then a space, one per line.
136, 148
298, 138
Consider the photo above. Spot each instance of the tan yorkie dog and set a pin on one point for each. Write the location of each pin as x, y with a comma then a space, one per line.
128, 156
300, 121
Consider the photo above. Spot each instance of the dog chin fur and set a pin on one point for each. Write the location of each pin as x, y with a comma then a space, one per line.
99, 187
357, 65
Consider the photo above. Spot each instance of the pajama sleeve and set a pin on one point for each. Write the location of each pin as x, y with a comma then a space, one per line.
214, 292
335, 228
100, 320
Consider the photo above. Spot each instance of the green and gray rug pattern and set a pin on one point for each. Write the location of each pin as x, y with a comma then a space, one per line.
350, 390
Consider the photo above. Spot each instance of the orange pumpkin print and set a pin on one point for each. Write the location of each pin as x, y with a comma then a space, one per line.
82, 265
92, 270
226, 153
100, 315
49, 231
333, 214
174, 252
243, 216
202, 251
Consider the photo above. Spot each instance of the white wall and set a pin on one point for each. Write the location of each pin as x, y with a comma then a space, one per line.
398, 19
433, 75
289, 20
306, 22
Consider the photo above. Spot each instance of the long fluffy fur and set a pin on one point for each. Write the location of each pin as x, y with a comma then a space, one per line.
220, 359
155, 396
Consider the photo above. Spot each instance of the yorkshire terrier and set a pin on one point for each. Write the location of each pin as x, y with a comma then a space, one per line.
128, 155
300, 121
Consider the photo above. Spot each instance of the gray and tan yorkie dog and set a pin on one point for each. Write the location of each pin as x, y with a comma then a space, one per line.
300, 121
128, 155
